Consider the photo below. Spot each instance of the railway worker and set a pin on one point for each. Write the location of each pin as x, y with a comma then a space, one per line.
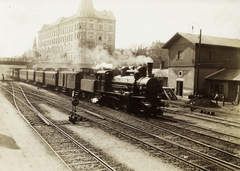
193, 107
73, 94
216, 97
223, 99
2, 77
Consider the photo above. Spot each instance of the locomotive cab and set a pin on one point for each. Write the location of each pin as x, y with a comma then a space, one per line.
104, 78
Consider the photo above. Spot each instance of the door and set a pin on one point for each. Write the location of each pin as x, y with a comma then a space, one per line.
179, 88
63, 80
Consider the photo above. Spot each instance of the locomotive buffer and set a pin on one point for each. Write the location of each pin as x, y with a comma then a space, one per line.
75, 102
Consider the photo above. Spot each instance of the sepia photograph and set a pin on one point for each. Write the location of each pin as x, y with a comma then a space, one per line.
110, 85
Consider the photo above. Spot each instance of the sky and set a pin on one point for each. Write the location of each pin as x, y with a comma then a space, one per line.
138, 22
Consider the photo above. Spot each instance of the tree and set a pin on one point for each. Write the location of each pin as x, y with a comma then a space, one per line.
159, 55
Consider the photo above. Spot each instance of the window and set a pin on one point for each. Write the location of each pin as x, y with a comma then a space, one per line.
162, 64
110, 37
91, 26
90, 34
179, 55
72, 77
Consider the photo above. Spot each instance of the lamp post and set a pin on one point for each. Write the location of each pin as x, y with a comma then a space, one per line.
198, 60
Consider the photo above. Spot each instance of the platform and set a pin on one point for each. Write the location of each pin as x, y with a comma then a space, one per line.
20, 147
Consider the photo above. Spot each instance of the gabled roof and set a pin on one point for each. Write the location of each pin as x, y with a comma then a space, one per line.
207, 40
225, 75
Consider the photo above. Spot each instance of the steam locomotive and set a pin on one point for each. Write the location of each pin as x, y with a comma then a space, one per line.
132, 90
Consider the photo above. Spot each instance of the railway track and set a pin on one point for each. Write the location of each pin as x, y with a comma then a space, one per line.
206, 117
75, 154
216, 159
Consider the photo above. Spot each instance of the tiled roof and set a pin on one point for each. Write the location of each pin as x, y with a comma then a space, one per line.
225, 75
208, 40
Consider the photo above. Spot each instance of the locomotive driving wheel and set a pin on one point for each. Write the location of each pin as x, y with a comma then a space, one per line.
125, 107
117, 104
140, 110
106, 101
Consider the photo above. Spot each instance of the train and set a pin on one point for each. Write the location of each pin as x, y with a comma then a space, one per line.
132, 90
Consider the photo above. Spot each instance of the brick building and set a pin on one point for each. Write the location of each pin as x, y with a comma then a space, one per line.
87, 28
204, 65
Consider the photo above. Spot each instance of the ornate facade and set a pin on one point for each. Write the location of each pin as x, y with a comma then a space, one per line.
87, 28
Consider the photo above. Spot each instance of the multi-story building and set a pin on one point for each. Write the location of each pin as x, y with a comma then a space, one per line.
87, 28
204, 65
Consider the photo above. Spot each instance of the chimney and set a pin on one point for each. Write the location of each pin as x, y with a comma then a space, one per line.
150, 67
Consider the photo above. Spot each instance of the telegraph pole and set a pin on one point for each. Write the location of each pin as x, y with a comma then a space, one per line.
198, 59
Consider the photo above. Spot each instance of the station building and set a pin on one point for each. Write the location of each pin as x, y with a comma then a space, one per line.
204, 65
87, 28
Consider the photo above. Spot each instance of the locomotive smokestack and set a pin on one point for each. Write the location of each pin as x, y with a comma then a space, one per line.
150, 66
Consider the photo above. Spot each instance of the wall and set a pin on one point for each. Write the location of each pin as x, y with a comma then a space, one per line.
181, 66
186, 77
219, 57
182, 53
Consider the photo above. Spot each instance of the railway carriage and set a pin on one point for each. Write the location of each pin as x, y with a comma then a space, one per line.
31, 75
15, 74
51, 78
23, 74
69, 80
39, 77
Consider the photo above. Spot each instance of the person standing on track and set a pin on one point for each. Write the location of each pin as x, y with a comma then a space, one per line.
216, 97
38, 84
2, 77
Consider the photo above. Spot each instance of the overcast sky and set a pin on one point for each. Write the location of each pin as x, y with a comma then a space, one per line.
137, 21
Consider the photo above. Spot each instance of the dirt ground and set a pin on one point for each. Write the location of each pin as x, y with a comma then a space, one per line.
125, 153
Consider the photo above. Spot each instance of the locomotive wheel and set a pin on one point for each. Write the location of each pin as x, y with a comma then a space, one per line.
125, 107
106, 101
140, 110
117, 104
